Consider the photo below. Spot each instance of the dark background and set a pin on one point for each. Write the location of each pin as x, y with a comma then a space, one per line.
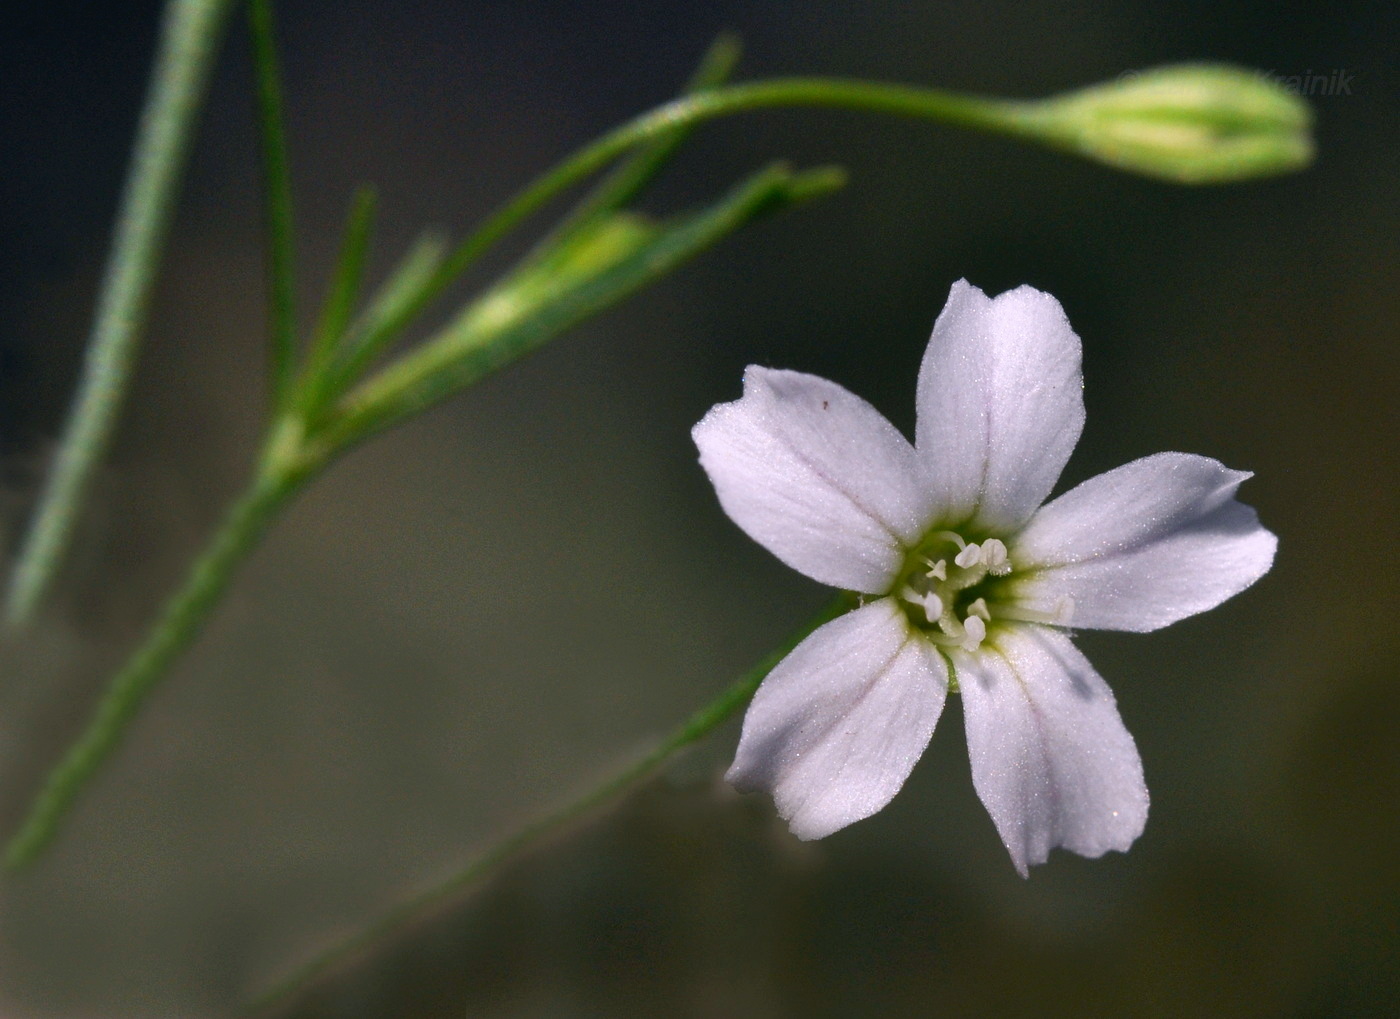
475, 615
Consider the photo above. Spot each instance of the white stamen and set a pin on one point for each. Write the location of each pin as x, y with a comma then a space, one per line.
971, 555
933, 607
930, 603
976, 632
994, 556
936, 593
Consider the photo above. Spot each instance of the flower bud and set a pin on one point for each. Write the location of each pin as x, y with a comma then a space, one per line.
1188, 123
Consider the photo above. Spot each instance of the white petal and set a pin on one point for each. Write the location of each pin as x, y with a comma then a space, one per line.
817, 476
1144, 545
1051, 760
836, 727
1001, 403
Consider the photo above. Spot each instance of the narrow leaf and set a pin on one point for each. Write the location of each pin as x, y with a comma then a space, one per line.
278, 199
341, 296
367, 337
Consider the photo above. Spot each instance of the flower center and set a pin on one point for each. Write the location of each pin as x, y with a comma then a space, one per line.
948, 587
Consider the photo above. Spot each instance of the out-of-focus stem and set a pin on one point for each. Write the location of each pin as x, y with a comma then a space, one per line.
184, 614
432, 898
189, 40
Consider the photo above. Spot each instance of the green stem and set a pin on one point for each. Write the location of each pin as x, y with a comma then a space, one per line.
179, 622
415, 908
986, 114
836, 93
630, 177
190, 34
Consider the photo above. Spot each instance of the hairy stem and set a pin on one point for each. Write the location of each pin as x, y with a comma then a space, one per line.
189, 40
427, 901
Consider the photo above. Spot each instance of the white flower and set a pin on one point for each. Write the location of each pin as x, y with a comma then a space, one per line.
967, 579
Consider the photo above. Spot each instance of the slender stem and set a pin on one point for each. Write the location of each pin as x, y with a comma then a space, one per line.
281, 273
179, 622
708, 104
986, 114
190, 34
630, 177
425, 902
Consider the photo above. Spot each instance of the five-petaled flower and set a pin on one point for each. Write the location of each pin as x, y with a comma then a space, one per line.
966, 579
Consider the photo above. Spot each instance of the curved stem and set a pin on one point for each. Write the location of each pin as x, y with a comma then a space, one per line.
189, 38
630, 177
838, 93
423, 903
835, 93
184, 613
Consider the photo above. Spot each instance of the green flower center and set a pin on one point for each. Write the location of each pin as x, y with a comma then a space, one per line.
951, 588
954, 590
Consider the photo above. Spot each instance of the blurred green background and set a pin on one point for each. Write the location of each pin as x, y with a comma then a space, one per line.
477, 614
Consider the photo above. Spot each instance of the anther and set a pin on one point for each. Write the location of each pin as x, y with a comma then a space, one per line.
971, 555
930, 603
975, 632
994, 556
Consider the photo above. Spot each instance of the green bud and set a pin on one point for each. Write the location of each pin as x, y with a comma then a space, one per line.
1188, 123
